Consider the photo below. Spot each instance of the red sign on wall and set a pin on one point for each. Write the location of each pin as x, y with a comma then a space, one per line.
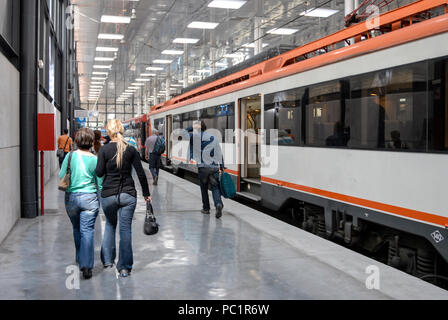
45, 132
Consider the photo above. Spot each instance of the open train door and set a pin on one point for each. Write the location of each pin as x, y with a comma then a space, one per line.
249, 167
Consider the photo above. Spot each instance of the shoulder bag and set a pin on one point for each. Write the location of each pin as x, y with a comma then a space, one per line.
65, 182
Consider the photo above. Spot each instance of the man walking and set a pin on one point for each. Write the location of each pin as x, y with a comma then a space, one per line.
65, 145
206, 151
154, 147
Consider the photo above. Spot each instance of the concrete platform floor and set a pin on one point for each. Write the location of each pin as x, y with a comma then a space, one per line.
194, 256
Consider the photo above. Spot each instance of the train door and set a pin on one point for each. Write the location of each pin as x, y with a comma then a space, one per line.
168, 131
250, 125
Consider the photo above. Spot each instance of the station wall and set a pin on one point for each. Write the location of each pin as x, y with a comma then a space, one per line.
9, 146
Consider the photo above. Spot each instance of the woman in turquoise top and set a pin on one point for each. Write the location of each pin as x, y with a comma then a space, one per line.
81, 199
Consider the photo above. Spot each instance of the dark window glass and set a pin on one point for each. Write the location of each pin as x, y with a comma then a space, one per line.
6, 20
283, 111
388, 109
159, 124
325, 115
437, 130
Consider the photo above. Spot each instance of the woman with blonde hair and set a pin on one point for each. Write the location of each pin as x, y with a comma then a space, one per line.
118, 196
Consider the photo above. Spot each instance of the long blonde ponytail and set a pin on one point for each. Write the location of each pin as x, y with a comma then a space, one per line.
116, 130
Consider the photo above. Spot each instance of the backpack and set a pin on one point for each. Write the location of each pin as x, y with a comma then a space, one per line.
159, 146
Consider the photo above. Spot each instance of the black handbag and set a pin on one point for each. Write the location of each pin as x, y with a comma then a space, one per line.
150, 226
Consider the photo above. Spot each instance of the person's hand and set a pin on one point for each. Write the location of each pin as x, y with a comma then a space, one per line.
148, 199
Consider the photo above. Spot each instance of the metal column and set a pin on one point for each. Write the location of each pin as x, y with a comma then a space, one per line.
29, 13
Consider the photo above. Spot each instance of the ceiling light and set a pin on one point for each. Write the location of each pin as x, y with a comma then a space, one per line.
202, 25
104, 59
172, 52
100, 73
148, 75
161, 61
115, 19
97, 82
177, 85
98, 78
138, 84
227, 4
319, 12
185, 40
110, 36
142, 80
102, 67
106, 49
154, 68
96, 87
283, 31
133, 87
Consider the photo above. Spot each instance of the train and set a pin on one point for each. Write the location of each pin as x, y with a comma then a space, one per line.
358, 124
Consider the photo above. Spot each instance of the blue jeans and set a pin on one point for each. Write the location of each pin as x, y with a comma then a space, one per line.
82, 209
115, 212
210, 176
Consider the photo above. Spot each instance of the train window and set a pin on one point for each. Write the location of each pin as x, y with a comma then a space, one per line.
387, 109
177, 121
159, 124
437, 105
283, 111
325, 115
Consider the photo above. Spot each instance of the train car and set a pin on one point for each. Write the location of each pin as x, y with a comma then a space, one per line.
138, 127
361, 135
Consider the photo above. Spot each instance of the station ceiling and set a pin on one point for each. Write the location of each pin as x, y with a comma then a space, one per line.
156, 23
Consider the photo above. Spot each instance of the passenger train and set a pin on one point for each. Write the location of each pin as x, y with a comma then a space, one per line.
362, 135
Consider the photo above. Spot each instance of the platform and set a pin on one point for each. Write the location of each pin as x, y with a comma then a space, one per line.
244, 255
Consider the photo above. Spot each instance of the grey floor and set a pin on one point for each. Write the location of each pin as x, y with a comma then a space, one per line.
194, 256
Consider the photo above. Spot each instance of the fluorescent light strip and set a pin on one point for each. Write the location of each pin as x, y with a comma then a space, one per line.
110, 36
319, 12
161, 61
172, 52
100, 73
98, 78
227, 4
202, 25
104, 59
282, 31
115, 19
138, 84
148, 75
102, 67
106, 49
185, 40
142, 80
154, 68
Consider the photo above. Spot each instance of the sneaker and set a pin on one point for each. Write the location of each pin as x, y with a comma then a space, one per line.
109, 265
155, 180
87, 273
218, 211
205, 211
125, 273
